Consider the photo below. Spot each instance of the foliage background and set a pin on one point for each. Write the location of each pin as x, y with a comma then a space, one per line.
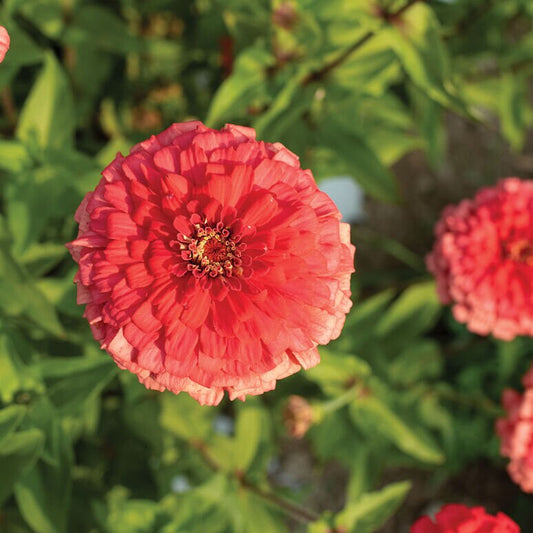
404, 402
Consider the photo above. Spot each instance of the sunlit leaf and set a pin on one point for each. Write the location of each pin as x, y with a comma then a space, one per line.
48, 113
361, 161
248, 433
237, 91
412, 313
373, 414
372, 510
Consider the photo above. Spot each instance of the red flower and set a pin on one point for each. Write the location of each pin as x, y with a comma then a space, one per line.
457, 518
210, 261
516, 433
4, 43
483, 259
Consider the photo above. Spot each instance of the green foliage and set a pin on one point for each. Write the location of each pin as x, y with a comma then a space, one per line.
47, 117
352, 87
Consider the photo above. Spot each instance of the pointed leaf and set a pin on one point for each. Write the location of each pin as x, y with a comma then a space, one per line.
237, 91
248, 433
373, 414
17, 453
10, 418
371, 511
361, 161
48, 113
414, 312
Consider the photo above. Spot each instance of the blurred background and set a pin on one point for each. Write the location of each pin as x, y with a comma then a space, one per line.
399, 107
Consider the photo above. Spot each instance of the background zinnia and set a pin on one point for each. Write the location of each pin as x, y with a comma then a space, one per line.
457, 518
210, 262
516, 433
483, 259
4, 43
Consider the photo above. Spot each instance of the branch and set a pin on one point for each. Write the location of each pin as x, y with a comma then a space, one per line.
294, 510
328, 67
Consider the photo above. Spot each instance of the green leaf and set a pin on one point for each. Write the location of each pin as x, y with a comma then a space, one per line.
74, 381
371, 511
43, 493
39, 258
98, 27
18, 452
417, 42
131, 515
420, 360
369, 69
254, 515
184, 417
19, 295
361, 321
10, 418
38, 197
429, 117
248, 433
335, 437
372, 414
361, 160
47, 15
337, 373
360, 470
413, 313
510, 356
515, 111
14, 156
288, 105
15, 376
245, 83
48, 113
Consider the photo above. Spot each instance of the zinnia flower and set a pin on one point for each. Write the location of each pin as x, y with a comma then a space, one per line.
210, 262
516, 433
483, 259
457, 518
4, 43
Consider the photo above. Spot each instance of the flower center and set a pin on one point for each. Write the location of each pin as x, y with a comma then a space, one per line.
212, 251
521, 252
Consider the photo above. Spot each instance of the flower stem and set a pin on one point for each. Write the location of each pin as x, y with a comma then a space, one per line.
292, 509
340, 401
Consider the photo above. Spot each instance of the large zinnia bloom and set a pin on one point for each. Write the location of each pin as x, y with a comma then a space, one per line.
516, 433
457, 518
211, 262
4, 43
483, 259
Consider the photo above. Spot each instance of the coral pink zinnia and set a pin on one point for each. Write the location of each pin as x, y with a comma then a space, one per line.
483, 259
211, 262
4, 43
516, 433
457, 518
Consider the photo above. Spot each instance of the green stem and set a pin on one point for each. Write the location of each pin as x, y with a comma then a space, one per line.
340, 401
294, 510
482, 404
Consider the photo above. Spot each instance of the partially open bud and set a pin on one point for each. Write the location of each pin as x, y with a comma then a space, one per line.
285, 16
298, 416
